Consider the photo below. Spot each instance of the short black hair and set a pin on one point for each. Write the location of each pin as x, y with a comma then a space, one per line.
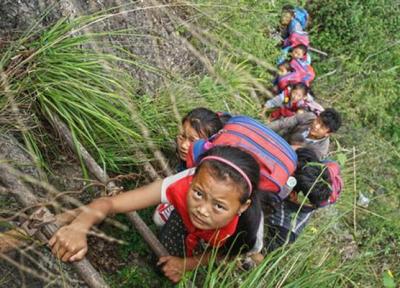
302, 47
312, 177
204, 121
288, 8
331, 119
301, 86
224, 117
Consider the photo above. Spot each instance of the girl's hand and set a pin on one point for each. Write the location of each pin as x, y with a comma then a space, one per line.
69, 243
173, 267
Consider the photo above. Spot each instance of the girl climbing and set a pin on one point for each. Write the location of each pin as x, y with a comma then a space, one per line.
215, 203
199, 123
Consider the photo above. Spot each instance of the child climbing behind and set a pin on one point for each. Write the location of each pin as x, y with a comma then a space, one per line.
309, 129
300, 52
293, 19
291, 100
284, 69
199, 123
296, 50
211, 203
293, 72
319, 183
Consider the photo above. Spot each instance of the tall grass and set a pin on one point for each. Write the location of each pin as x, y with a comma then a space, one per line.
58, 71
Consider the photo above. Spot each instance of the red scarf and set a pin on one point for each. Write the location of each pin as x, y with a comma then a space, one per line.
177, 196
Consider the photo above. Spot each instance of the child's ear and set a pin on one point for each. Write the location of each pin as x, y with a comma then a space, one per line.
244, 206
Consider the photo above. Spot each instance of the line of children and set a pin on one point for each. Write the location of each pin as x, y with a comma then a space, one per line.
293, 71
216, 204
308, 130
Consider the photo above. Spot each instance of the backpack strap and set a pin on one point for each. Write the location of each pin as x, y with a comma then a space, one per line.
196, 149
288, 188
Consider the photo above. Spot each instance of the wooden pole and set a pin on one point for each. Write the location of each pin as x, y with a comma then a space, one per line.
13, 239
9, 178
102, 176
315, 50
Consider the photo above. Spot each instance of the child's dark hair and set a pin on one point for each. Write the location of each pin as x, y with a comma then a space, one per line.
204, 121
222, 171
224, 117
288, 8
300, 86
331, 119
312, 177
302, 47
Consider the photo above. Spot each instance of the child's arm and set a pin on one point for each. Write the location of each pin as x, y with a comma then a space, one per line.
69, 243
263, 111
277, 101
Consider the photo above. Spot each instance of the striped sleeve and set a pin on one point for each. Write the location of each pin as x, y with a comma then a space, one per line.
277, 101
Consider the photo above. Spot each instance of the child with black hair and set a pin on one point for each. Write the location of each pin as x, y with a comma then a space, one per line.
314, 130
199, 123
284, 69
300, 52
290, 22
295, 98
210, 202
295, 51
319, 183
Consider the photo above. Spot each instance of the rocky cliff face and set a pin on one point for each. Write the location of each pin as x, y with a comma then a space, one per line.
155, 43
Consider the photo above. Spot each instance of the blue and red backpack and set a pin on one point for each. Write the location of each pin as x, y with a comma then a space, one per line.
275, 156
301, 15
297, 38
302, 73
300, 19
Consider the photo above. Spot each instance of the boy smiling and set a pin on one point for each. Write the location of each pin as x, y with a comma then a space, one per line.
308, 129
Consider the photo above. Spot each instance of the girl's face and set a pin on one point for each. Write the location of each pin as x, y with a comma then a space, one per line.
185, 138
213, 203
297, 53
297, 95
286, 17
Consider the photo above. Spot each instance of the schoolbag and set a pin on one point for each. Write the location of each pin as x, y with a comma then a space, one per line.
306, 70
301, 15
302, 73
275, 156
297, 38
336, 182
